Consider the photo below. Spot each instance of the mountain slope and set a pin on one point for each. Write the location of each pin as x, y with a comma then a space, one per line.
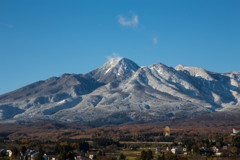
33, 98
68, 85
121, 91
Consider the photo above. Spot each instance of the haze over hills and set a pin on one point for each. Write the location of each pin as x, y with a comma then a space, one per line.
121, 91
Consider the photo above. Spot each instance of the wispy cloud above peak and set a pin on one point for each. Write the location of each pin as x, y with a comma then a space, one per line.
129, 22
155, 40
113, 56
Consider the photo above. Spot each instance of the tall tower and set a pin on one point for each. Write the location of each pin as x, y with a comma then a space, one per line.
167, 131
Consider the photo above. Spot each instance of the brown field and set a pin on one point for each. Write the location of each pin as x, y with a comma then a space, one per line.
202, 124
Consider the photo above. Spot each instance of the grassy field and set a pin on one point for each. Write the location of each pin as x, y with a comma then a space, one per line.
131, 155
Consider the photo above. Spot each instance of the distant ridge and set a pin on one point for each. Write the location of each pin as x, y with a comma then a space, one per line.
121, 91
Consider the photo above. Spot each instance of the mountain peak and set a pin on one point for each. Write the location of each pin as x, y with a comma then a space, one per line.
115, 69
121, 87
115, 60
195, 71
118, 60
159, 65
119, 65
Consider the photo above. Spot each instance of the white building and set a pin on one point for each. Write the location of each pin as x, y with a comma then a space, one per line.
184, 150
236, 130
9, 153
175, 150
215, 149
45, 157
92, 157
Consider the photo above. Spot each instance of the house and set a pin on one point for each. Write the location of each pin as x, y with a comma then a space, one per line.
204, 151
236, 130
225, 147
158, 150
34, 155
175, 150
9, 153
184, 150
51, 157
2, 152
167, 149
45, 157
92, 157
215, 149
28, 152
78, 157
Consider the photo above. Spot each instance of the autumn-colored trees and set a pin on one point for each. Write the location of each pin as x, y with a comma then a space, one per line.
146, 155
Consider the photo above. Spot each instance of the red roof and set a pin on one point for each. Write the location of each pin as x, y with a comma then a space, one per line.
236, 128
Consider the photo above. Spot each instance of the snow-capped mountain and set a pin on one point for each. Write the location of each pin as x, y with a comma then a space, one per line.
116, 69
121, 91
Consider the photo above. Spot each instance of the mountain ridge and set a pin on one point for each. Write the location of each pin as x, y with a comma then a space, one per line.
120, 91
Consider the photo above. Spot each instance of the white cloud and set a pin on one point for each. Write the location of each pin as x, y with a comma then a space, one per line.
130, 22
114, 55
155, 40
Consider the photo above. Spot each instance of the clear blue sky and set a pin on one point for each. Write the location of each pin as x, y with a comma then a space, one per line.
44, 38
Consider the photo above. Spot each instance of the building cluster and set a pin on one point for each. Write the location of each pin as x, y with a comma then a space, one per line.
201, 147
4, 152
178, 149
202, 150
32, 155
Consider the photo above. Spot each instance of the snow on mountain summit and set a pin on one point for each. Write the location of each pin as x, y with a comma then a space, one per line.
195, 71
123, 65
121, 88
115, 69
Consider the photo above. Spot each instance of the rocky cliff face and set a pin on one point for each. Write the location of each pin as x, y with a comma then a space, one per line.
121, 91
